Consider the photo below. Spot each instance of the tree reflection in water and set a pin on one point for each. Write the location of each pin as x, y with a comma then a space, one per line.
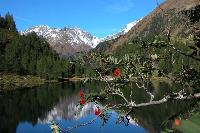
58, 102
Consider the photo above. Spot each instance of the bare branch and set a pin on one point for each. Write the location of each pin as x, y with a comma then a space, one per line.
148, 92
158, 4
121, 94
166, 98
83, 124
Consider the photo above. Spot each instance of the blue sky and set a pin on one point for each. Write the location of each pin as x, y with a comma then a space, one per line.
99, 17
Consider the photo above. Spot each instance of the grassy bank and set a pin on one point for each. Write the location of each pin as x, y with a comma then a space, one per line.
10, 81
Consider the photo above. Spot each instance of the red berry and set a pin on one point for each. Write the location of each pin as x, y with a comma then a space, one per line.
177, 122
116, 72
82, 101
97, 111
81, 94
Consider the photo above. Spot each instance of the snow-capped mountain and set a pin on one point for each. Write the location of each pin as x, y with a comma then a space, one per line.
126, 29
67, 40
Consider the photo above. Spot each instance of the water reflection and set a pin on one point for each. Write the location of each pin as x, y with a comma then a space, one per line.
31, 110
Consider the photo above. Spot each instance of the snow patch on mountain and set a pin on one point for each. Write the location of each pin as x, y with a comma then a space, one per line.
70, 40
74, 36
130, 26
126, 29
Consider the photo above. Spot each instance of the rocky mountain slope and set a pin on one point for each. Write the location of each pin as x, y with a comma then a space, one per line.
65, 41
68, 41
156, 24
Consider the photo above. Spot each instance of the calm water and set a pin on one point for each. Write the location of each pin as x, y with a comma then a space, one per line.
31, 110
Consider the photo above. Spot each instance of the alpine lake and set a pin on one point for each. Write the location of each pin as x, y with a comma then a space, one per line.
32, 110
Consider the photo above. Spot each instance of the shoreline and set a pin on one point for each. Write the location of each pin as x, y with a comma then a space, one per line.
110, 79
11, 81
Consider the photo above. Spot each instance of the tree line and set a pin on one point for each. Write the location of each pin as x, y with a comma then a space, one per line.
27, 54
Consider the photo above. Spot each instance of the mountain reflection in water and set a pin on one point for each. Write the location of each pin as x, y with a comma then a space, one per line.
29, 110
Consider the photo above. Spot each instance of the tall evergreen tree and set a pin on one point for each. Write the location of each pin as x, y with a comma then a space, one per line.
10, 23
2, 22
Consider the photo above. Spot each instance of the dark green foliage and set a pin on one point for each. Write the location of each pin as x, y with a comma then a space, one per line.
8, 22
193, 14
2, 22
168, 61
154, 42
32, 55
102, 47
27, 54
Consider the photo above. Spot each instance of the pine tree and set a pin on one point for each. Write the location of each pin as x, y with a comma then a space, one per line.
2, 22
10, 23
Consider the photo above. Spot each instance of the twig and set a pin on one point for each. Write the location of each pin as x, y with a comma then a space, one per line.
83, 124
121, 94
148, 92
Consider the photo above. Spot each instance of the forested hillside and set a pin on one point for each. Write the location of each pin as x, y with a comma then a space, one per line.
167, 16
170, 43
156, 41
27, 54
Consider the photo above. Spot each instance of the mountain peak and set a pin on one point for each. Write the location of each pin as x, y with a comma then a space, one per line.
70, 40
